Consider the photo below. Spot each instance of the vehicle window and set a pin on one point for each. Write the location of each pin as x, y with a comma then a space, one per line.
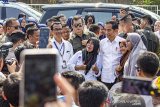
100, 16
13, 12
68, 13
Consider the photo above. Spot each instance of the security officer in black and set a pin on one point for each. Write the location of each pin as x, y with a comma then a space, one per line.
152, 40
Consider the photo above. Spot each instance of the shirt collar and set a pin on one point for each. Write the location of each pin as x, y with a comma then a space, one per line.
115, 40
54, 40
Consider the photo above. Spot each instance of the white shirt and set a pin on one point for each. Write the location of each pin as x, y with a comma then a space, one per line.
77, 60
157, 34
65, 51
110, 56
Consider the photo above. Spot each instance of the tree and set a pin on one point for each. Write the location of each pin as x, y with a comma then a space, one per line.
146, 2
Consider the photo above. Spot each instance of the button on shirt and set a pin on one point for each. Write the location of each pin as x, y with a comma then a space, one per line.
109, 58
77, 60
66, 48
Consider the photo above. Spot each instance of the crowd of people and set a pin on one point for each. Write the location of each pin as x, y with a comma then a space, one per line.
94, 57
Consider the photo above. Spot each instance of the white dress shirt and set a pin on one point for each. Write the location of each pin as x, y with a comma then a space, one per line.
65, 51
110, 56
77, 60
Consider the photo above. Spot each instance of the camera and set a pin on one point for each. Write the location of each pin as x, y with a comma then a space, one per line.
4, 49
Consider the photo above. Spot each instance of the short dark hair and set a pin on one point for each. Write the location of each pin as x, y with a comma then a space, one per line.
55, 23
148, 62
148, 18
113, 23
11, 88
126, 19
94, 28
29, 25
92, 94
16, 36
77, 17
31, 31
76, 78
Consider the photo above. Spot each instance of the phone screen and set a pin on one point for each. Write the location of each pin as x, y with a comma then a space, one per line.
137, 86
44, 36
39, 85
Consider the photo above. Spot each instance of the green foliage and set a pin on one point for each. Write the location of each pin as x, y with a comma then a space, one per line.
146, 2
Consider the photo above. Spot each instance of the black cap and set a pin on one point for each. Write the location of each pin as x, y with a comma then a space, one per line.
148, 17
16, 36
125, 9
124, 18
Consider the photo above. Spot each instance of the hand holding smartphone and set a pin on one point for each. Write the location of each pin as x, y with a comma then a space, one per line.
37, 86
141, 86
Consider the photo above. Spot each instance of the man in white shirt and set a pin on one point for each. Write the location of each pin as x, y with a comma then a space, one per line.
64, 48
109, 54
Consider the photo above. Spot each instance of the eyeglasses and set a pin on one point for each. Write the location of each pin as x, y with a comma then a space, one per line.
16, 27
78, 25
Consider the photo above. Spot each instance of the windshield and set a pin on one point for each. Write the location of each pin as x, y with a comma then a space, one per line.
32, 10
154, 15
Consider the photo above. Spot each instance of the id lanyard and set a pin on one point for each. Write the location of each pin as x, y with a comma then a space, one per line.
59, 50
64, 65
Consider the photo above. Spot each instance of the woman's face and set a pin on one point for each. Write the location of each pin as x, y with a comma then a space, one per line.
90, 46
129, 45
90, 20
123, 48
23, 24
1, 30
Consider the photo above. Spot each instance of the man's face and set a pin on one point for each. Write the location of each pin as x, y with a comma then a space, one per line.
57, 30
35, 37
122, 13
66, 33
157, 26
109, 31
128, 27
63, 20
143, 24
13, 27
78, 27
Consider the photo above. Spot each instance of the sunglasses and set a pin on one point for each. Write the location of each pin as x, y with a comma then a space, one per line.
78, 25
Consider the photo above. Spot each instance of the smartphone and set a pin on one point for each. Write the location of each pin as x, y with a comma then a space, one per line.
37, 86
43, 37
141, 86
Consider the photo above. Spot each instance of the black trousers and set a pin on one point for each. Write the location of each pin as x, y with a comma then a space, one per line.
109, 85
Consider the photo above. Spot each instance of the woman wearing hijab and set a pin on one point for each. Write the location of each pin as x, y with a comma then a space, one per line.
125, 52
22, 23
136, 46
83, 61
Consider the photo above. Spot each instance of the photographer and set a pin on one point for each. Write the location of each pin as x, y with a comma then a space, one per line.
17, 38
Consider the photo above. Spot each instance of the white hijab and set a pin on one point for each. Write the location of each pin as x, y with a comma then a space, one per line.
138, 48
